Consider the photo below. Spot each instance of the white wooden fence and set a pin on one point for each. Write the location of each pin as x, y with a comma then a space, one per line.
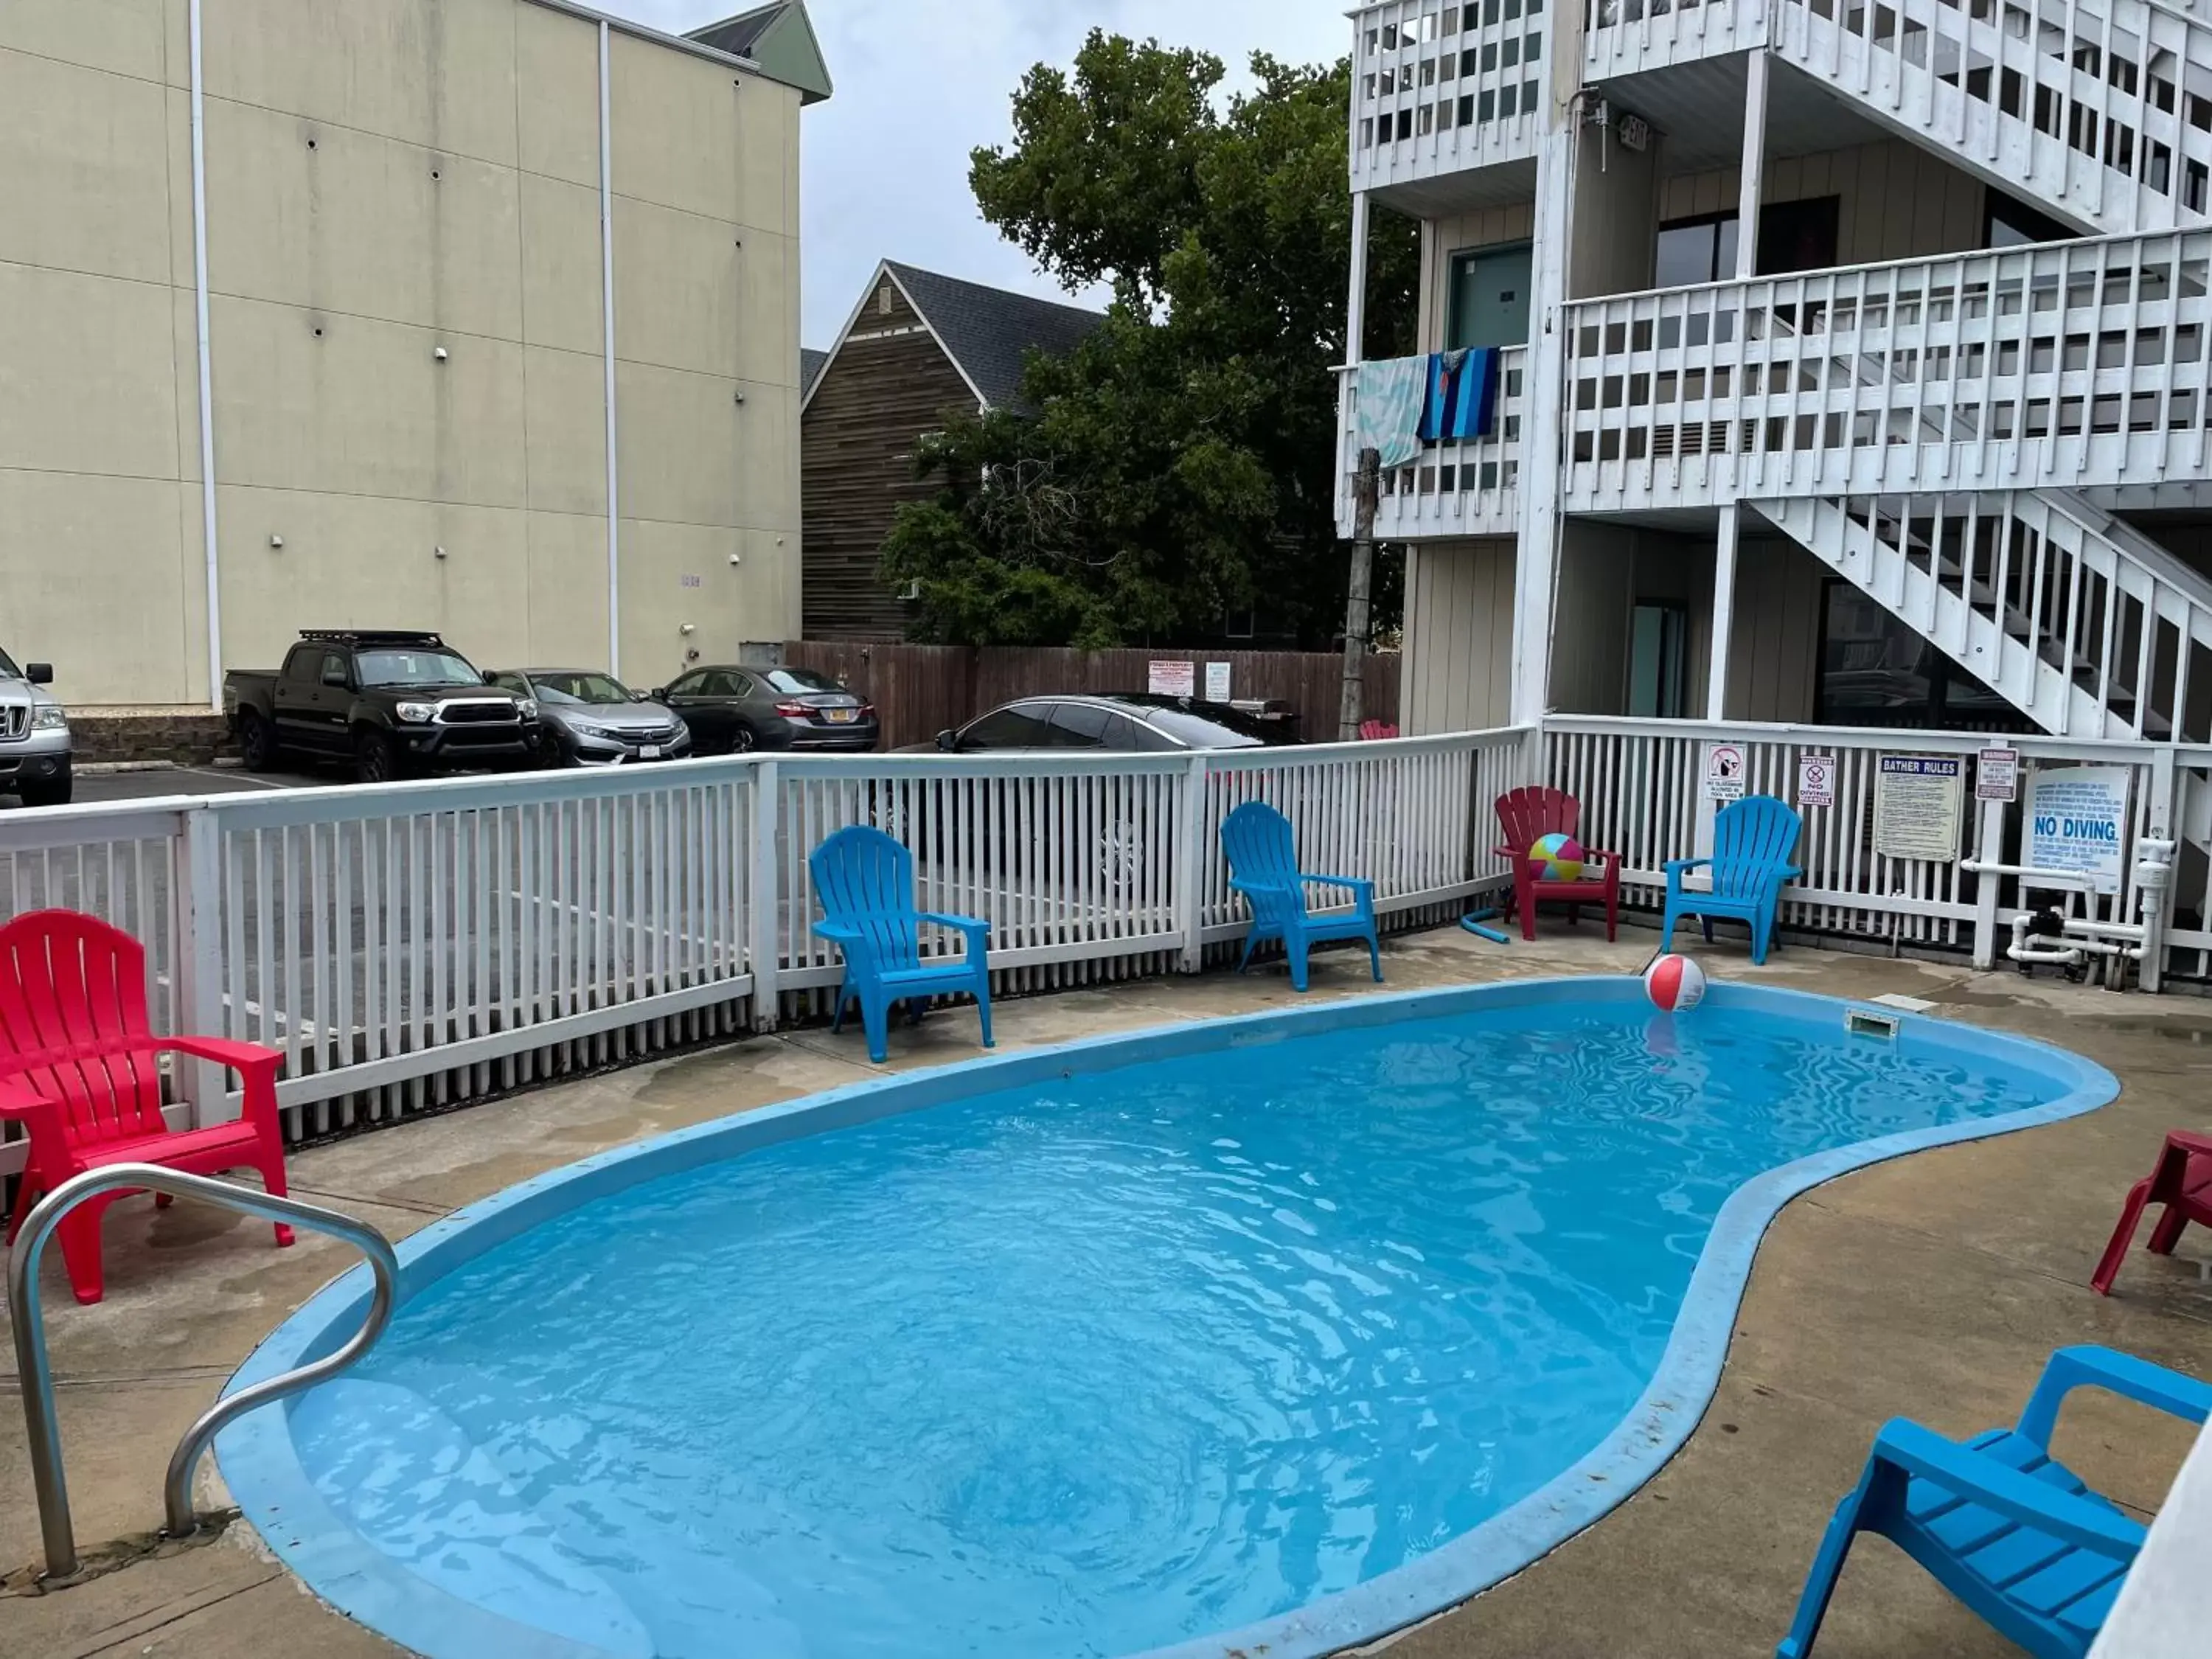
413, 946
417, 946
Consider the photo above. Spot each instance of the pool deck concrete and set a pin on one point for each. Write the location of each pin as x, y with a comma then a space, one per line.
1930, 1287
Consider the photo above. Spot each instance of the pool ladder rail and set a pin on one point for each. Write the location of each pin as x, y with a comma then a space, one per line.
38, 1383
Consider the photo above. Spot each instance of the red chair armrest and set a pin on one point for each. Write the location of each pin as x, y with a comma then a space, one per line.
33, 1111
2189, 1141
245, 1056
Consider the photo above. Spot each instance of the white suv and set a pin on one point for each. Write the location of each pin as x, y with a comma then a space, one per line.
35, 735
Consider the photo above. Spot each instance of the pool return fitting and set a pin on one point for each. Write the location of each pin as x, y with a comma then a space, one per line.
37, 1378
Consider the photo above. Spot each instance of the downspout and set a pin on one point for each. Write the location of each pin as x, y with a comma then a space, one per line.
207, 386
607, 306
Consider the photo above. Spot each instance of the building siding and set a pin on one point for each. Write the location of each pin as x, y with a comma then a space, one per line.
889, 383
382, 182
1458, 666
1898, 201
1442, 238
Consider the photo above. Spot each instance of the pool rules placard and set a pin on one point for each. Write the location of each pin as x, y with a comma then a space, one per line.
1917, 802
2077, 823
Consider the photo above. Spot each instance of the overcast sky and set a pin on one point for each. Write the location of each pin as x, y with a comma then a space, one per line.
921, 82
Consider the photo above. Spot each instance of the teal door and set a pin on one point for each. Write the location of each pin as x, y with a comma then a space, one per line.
1490, 297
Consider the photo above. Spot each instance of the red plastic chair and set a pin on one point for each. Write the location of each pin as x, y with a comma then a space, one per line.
2183, 1182
79, 1069
1525, 817
1378, 731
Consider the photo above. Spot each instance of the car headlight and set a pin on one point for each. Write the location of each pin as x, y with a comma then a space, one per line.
50, 717
417, 714
586, 729
528, 708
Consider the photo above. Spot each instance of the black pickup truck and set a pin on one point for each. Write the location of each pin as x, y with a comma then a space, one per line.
394, 703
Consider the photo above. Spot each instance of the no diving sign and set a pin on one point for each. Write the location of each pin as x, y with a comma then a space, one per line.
1724, 768
1816, 780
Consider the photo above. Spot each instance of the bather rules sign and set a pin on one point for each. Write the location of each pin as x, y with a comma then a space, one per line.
1917, 800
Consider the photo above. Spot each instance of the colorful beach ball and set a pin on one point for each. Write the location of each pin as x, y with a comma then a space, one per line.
1675, 984
1557, 858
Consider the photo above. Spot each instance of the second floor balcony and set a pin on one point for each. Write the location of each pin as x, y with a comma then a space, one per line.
1468, 487
2081, 364
1443, 90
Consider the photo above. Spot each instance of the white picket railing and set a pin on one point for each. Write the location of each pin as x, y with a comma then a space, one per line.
1640, 784
1460, 487
421, 945
1445, 86
412, 946
2066, 365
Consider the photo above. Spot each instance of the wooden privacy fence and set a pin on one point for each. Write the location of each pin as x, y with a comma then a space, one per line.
921, 690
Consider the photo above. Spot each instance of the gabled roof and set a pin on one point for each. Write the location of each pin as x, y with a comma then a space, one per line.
810, 368
779, 37
986, 332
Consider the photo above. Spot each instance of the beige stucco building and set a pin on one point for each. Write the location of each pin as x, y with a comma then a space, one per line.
407, 328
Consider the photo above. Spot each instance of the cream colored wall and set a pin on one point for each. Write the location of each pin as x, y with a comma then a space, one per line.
383, 181
1457, 672
1442, 238
1616, 224
1899, 201
1774, 644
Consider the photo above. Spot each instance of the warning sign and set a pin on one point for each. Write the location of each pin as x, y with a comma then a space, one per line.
1816, 780
1996, 775
1724, 769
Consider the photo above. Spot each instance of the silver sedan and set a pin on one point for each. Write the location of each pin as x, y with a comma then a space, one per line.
590, 718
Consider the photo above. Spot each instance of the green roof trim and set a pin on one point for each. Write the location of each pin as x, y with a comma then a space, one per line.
779, 37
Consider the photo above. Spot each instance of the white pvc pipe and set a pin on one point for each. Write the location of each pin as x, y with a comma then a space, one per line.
607, 309
207, 387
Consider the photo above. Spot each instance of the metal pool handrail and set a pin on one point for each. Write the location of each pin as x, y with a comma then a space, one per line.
46, 1478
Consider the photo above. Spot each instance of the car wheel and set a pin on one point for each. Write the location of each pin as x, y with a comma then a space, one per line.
257, 742
741, 740
375, 759
47, 792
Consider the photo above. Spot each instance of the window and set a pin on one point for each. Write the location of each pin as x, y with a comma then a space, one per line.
517, 684
334, 668
1081, 725
1792, 236
1876, 671
602, 689
687, 685
1144, 739
1490, 297
304, 663
799, 679
405, 668
883, 301
1022, 726
2007, 223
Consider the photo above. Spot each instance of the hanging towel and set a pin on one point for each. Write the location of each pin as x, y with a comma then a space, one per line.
1390, 408
1462, 401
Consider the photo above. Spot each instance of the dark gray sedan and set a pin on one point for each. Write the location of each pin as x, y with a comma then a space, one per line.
590, 718
733, 710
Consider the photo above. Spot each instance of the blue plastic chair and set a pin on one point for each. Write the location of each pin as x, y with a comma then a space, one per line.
2016, 1536
1753, 842
1263, 866
865, 881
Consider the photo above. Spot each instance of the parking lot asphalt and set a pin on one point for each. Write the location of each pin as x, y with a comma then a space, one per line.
94, 787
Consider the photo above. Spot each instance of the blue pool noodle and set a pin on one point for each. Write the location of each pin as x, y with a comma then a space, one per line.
1473, 922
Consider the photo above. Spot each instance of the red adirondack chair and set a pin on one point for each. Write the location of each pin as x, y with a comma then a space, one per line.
2183, 1182
1376, 730
79, 1070
1525, 817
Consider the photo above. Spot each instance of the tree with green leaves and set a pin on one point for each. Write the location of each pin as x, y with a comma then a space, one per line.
1179, 465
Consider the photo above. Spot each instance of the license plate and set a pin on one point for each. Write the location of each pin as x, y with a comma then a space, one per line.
648, 751
841, 716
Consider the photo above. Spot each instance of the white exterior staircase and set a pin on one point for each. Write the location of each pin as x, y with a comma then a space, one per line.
2099, 112
2078, 620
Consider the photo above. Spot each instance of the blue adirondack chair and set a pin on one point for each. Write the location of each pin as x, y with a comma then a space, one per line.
1753, 842
1263, 866
2012, 1534
865, 881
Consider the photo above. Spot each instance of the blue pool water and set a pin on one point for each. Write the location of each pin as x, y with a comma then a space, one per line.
1105, 1361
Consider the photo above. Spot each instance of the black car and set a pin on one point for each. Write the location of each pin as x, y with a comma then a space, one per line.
590, 718
1127, 723
735, 710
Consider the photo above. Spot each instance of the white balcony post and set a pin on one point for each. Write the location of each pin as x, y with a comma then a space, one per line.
1723, 614
1754, 166
1355, 310
1543, 472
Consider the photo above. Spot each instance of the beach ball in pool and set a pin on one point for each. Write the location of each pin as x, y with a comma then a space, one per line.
1557, 858
1675, 984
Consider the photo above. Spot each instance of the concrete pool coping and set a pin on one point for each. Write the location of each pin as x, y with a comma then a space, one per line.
261, 1467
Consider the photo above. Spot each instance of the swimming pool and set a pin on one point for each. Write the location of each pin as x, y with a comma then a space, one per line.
1280, 1331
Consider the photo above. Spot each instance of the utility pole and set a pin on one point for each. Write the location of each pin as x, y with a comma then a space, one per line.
1369, 484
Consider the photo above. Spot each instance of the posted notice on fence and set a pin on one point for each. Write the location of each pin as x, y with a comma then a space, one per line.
1996, 775
1816, 780
1724, 769
1171, 679
1217, 681
2078, 823
1917, 802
